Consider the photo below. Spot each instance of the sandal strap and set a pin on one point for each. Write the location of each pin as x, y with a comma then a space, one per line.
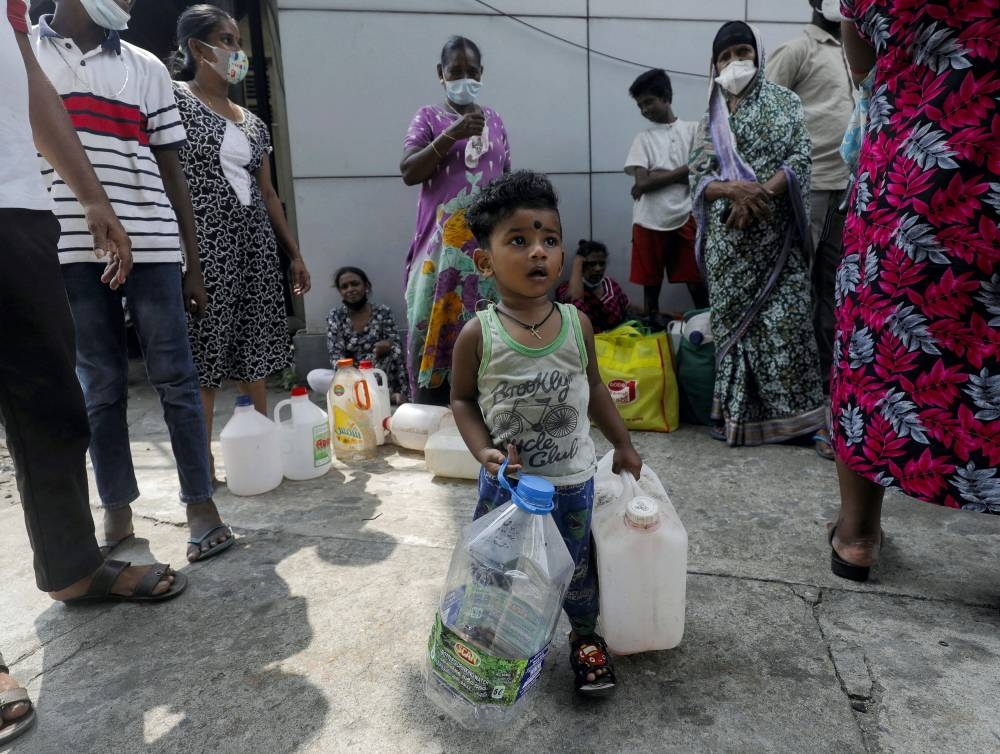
14, 696
209, 533
148, 583
3, 665
106, 576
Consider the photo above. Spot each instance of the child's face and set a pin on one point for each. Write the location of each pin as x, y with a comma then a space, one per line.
653, 108
525, 253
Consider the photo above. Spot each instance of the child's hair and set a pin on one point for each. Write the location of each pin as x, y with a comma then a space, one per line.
197, 22
655, 82
456, 44
347, 270
586, 247
502, 197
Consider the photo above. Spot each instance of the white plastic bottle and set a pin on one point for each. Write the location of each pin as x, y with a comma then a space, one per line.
351, 414
413, 423
447, 455
305, 437
499, 609
378, 386
251, 451
642, 570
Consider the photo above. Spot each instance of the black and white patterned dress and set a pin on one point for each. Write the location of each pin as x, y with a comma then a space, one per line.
243, 334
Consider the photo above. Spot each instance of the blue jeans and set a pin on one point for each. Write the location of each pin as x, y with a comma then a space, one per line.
156, 305
574, 506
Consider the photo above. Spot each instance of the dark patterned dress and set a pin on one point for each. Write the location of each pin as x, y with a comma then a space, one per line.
243, 334
916, 380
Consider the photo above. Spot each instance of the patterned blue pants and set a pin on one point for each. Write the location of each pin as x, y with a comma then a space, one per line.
572, 512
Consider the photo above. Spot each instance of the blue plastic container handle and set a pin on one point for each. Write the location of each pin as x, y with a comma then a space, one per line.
532, 494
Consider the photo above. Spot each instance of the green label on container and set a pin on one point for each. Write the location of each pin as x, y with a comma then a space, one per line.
476, 676
321, 444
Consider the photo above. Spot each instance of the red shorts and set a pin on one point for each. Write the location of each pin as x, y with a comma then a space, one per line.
657, 251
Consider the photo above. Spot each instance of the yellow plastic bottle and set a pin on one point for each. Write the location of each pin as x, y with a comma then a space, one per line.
351, 405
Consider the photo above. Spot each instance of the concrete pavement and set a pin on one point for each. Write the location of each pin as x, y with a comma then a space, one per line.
309, 634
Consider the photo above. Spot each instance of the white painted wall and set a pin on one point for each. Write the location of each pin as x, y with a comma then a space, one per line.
355, 71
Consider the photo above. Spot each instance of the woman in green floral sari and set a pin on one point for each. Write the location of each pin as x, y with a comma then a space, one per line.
749, 178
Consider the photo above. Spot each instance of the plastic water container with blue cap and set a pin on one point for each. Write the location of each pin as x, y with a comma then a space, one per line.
501, 602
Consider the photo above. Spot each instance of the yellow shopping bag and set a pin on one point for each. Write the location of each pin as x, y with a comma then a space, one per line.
638, 369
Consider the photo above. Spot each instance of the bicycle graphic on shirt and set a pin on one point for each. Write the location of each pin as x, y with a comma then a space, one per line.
559, 420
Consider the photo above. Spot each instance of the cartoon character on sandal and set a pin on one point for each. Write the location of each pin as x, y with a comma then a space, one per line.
591, 662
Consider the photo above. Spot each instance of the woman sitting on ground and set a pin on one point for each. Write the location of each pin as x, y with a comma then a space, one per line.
361, 330
593, 292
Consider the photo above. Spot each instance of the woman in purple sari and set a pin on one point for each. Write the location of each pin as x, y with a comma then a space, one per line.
452, 150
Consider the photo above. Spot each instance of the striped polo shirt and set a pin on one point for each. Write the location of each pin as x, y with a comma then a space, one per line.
121, 101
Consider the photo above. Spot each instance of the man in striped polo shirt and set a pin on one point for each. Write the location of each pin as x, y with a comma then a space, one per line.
122, 106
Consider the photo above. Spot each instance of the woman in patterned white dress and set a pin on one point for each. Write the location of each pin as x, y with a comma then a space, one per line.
242, 334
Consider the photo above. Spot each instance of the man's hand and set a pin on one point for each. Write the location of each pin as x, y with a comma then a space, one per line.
111, 242
195, 299
626, 459
492, 459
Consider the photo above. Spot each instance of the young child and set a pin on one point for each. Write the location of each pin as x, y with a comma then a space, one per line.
539, 357
663, 230
591, 291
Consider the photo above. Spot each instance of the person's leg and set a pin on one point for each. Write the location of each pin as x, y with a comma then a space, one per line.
43, 412
434, 396
156, 303
858, 529
41, 405
208, 409
646, 269
257, 390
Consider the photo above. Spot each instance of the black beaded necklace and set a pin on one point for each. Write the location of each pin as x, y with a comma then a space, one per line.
533, 329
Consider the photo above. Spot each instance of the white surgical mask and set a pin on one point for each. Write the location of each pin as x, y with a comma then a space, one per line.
831, 11
232, 65
107, 14
735, 76
463, 91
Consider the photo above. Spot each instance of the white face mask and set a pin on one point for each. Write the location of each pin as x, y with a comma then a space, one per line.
107, 14
232, 65
463, 91
831, 11
735, 76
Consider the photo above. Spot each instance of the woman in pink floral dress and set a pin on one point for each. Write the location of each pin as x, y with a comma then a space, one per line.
916, 376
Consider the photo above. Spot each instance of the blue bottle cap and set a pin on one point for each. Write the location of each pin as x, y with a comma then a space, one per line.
244, 400
696, 337
533, 494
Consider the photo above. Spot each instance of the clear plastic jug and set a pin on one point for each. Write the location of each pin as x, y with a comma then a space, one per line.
501, 602
378, 386
351, 405
641, 550
251, 451
447, 455
305, 437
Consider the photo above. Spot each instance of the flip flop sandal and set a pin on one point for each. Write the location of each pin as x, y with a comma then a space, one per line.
717, 432
588, 654
17, 727
211, 552
821, 439
106, 576
110, 545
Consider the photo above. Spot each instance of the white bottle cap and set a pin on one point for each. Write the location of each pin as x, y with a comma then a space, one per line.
642, 512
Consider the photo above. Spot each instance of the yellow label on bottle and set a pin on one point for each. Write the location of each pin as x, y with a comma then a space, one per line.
345, 429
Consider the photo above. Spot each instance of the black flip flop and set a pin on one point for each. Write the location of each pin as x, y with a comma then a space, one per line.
211, 552
108, 573
845, 570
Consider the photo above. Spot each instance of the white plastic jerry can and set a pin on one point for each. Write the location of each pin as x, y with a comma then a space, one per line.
642, 569
447, 455
378, 387
413, 423
305, 437
251, 451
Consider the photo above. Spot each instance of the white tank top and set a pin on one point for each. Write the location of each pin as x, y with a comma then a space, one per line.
538, 398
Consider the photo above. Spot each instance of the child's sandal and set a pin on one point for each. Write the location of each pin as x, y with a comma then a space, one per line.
588, 655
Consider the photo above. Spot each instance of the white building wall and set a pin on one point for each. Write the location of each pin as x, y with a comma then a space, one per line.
355, 71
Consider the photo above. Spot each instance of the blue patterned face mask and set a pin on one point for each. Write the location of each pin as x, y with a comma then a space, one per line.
463, 91
232, 65
107, 14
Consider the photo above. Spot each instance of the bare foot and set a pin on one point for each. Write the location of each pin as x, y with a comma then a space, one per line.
124, 585
14, 712
202, 518
117, 526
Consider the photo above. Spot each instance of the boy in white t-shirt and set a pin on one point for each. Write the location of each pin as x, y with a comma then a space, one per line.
663, 230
